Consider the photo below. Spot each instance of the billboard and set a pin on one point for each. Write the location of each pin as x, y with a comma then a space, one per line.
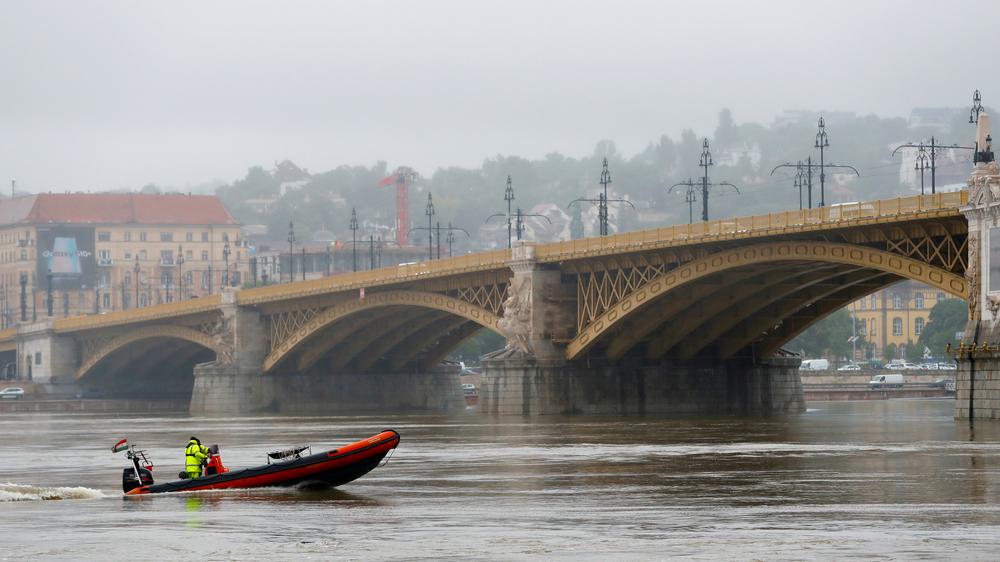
68, 253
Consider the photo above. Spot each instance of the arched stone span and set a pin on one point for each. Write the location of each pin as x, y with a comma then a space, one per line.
337, 312
820, 252
148, 332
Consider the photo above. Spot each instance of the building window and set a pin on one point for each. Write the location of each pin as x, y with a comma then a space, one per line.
128, 236
873, 302
142, 236
862, 328
103, 236
863, 304
897, 302
918, 326
918, 300
204, 255
166, 237
127, 280
188, 278
204, 237
128, 254
166, 257
871, 330
142, 255
189, 254
166, 279
107, 300
24, 255
897, 326
38, 358
103, 279
206, 280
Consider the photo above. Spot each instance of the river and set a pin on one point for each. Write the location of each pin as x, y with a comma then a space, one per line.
896, 479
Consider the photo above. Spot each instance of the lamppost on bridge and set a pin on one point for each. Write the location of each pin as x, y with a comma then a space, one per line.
291, 253
97, 299
354, 237
922, 163
180, 272
822, 142
602, 201
704, 162
429, 211
48, 293
302, 264
451, 240
24, 297
977, 108
508, 196
253, 269
136, 269
225, 259
371, 251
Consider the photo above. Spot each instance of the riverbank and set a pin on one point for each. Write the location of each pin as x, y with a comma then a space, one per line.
99, 405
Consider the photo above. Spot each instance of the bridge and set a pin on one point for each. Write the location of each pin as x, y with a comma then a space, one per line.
675, 319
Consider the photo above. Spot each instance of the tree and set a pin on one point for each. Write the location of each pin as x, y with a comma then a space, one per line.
946, 318
890, 352
828, 337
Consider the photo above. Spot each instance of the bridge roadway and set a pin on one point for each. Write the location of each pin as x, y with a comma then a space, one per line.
682, 318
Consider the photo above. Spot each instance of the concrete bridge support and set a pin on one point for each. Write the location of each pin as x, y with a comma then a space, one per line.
522, 385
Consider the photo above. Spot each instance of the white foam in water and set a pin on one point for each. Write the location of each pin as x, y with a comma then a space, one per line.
10, 492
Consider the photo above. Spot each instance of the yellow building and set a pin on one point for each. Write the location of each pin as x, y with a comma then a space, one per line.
895, 315
109, 251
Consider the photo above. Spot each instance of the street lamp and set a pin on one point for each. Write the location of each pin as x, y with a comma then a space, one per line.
429, 211
49, 292
136, 269
291, 254
822, 142
180, 272
354, 238
508, 196
24, 297
602, 209
977, 107
225, 259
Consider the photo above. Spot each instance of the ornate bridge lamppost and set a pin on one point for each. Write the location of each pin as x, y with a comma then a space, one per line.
136, 269
429, 211
225, 259
180, 272
291, 253
602, 201
354, 237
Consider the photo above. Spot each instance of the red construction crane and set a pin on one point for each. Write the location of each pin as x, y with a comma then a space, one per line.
402, 177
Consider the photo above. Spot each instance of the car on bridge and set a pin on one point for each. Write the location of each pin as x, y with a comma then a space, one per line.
12, 393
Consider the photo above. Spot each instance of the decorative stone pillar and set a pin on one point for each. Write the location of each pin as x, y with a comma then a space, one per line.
977, 384
538, 309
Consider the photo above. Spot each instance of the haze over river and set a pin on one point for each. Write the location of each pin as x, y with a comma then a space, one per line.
847, 480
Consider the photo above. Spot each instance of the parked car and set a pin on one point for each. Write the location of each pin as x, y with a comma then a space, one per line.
947, 367
943, 383
892, 380
12, 393
850, 367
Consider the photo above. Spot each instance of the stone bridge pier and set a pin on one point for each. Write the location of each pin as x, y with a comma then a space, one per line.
532, 376
236, 383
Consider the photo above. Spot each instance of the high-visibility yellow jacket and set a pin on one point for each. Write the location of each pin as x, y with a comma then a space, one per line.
194, 456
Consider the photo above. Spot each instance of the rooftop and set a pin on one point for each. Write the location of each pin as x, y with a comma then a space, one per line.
114, 208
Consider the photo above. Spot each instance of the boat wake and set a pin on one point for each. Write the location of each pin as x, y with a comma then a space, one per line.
10, 492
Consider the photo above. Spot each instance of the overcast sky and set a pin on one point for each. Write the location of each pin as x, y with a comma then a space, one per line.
103, 95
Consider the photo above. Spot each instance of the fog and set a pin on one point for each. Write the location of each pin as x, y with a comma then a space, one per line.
105, 95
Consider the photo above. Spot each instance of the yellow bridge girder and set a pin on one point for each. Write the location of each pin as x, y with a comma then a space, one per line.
783, 251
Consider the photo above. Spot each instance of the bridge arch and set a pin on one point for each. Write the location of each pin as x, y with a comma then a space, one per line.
405, 298
733, 259
116, 343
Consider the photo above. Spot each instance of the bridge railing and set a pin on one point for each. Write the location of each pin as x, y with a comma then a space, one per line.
179, 308
373, 277
806, 219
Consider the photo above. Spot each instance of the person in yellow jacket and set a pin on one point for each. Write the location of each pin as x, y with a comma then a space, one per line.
194, 457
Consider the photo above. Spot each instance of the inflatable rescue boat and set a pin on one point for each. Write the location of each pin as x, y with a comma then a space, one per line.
283, 468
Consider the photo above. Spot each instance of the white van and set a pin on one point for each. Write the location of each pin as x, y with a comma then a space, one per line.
814, 365
892, 380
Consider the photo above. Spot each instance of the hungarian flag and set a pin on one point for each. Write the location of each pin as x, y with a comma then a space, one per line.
120, 446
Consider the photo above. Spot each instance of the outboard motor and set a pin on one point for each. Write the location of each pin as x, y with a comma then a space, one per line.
130, 482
